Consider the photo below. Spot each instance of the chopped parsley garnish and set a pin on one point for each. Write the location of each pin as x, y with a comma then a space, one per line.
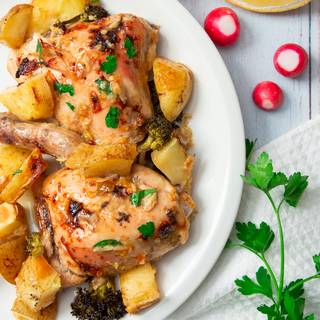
147, 230
108, 242
17, 172
110, 65
131, 50
39, 50
104, 86
64, 88
138, 196
112, 118
71, 106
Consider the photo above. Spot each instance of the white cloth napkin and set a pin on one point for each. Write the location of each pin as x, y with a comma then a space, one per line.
217, 298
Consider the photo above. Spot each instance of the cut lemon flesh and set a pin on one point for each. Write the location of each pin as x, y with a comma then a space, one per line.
269, 5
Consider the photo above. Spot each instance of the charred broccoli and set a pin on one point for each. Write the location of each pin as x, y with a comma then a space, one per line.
103, 303
35, 246
92, 13
159, 129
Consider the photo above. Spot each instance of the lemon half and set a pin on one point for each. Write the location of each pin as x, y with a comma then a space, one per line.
269, 5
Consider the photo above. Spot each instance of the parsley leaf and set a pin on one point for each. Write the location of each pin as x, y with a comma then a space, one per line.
247, 287
257, 239
295, 288
104, 86
17, 172
260, 173
108, 242
39, 49
310, 317
112, 118
249, 149
147, 230
270, 311
293, 307
64, 88
131, 50
316, 260
110, 65
71, 106
138, 196
294, 189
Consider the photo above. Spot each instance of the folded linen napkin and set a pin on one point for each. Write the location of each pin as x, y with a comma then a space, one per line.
217, 298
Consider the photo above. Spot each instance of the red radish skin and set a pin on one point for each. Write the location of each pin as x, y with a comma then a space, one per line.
223, 26
290, 60
268, 96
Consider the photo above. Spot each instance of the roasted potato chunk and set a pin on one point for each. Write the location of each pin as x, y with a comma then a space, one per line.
14, 25
37, 283
139, 288
30, 170
46, 13
21, 311
101, 160
174, 86
12, 220
12, 255
172, 160
32, 100
11, 159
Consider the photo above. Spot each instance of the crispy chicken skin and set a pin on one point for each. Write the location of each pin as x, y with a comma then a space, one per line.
74, 56
75, 213
49, 138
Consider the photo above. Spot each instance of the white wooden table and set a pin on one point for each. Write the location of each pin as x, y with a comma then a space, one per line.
251, 61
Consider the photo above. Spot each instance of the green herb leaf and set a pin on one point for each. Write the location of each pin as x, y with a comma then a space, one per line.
17, 172
131, 50
108, 242
112, 118
64, 88
71, 106
110, 65
248, 287
39, 49
257, 239
147, 230
295, 288
278, 179
270, 311
294, 189
310, 317
316, 260
293, 307
104, 86
249, 149
138, 196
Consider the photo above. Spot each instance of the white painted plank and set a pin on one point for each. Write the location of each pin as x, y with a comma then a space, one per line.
250, 62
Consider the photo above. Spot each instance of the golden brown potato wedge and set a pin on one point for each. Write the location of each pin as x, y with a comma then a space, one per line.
46, 13
12, 220
139, 288
14, 25
37, 283
101, 160
32, 100
29, 172
11, 159
172, 161
12, 255
21, 311
174, 86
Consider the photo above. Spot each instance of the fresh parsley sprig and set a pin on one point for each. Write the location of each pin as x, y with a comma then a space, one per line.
287, 302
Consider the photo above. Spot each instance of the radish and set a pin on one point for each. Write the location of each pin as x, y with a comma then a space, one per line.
290, 60
268, 96
223, 26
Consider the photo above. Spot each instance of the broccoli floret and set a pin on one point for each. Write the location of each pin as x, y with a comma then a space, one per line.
93, 13
35, 246
103, 303
159, 133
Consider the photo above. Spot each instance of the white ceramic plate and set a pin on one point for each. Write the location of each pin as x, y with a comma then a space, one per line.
219, 147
